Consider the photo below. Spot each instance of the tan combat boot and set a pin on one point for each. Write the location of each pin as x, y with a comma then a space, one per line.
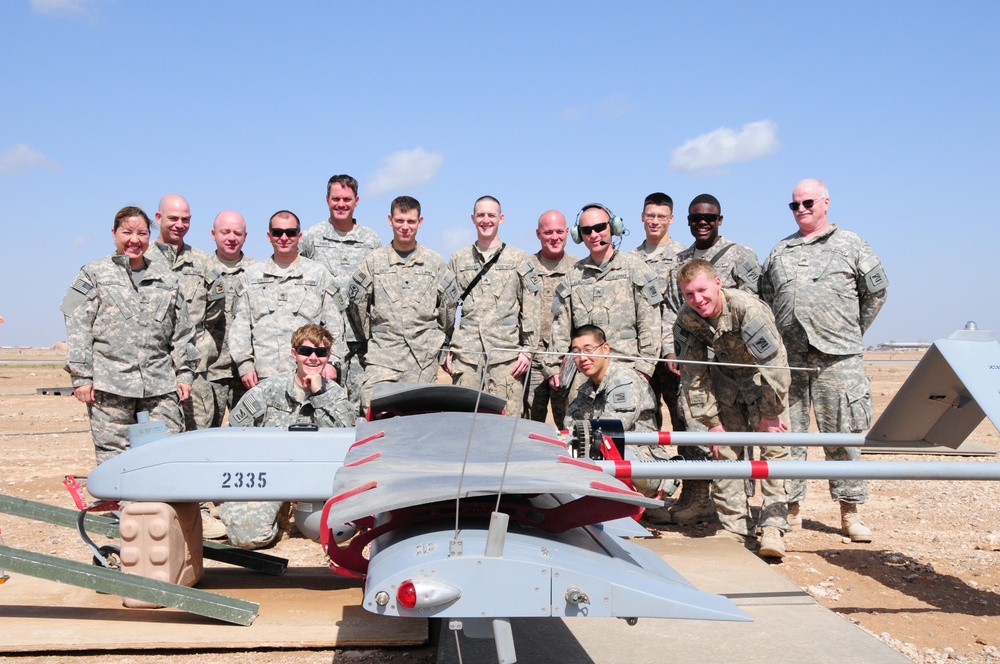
664, 515
772, 544
794, 518
851, 522
698, 508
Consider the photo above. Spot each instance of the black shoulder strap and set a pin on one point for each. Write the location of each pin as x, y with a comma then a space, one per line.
479, 275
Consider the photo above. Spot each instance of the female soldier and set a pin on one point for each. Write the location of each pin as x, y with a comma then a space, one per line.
131, 344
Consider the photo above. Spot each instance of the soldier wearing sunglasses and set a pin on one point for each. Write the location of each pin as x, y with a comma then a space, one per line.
277, 296
737, 267
302, 396
825, 286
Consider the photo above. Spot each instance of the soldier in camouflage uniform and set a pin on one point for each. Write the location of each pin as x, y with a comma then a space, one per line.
499, 298
276, 297
610, 289
659, 251
229, 232
302, 396
131, 343
402, 299
613, 390
825, 287
340, 244
735, 327
737, 266
552, 264
205, 294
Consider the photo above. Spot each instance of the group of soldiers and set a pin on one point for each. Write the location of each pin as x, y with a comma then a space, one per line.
632, 320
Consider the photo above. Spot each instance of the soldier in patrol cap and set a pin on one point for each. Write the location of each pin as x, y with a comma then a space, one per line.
735, 327
277, 296
402, 298
825, 286
302, 396
499, 299
736, 265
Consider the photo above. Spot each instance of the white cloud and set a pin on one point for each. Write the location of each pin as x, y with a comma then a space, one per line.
22, 157
616, 106
80, 241
61, 7
404, 170
453, 238
726, 146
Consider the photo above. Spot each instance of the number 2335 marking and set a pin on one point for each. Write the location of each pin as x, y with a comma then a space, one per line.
244, 480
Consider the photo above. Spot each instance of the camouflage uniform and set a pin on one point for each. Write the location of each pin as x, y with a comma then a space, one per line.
205, 294
737, 397
404, 306
501, 311
622, 298
133, 343
825, 292
278, 401
662, 259
226, 383
341, 254
622, 395
271, 303
539, 394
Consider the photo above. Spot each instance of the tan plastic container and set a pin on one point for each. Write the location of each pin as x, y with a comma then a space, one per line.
161, 541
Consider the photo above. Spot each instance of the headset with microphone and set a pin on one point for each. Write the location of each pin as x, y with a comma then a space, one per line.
617, 225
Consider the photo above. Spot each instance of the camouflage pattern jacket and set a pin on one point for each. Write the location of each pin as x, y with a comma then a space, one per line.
736, 265
662, 259
404, 306
279, 401
622, 395
501, 311
135, 342
825, 291
224, 368
623, 299
340, 253
204, 292
271, 303
744, 333
550, 280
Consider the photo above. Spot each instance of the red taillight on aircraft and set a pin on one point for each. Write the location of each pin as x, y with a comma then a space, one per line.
407, 594
425, 594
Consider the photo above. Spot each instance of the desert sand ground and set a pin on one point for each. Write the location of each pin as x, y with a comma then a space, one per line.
929, 584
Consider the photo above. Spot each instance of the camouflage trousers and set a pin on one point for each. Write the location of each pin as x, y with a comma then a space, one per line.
667, 388
498, 381
539, 395
840, 395
651, 487
375, 374
730, 495
111, 415
252, 525
200, 409
227, 393
352, 372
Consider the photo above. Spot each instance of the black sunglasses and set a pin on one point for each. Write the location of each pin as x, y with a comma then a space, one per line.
807, 204
698, 218
278, 232
596, 228
318, 351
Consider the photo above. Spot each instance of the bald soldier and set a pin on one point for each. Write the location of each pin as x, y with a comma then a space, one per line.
229, 233
205, 294
552, 264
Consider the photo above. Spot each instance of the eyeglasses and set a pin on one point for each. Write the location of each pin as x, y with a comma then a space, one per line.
586, 350
656, 217
318, 351
278, 232
699, 218
596, 228
807, 204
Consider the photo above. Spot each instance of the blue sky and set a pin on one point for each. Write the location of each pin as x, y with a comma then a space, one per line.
252, 106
